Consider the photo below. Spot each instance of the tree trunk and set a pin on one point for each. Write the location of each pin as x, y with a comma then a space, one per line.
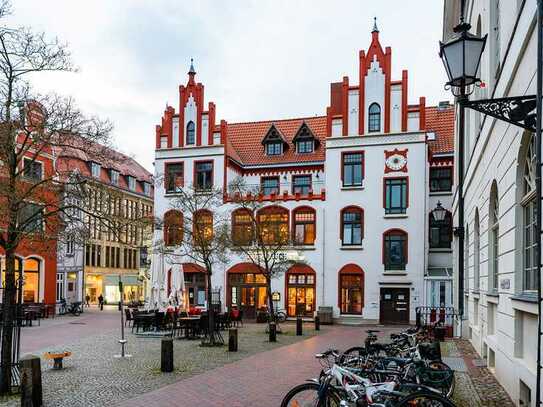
8, 319
210, 311
271, 311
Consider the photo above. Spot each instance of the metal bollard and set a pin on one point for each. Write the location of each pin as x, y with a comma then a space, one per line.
299, 326
232, 340
166, 355
31, 387
273, 332
317, 323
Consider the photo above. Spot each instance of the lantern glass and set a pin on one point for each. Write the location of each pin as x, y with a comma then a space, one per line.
439, 213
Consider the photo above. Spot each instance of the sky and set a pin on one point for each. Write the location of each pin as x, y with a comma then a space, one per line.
258, 60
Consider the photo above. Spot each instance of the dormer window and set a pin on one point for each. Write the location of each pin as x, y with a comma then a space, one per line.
274, 142
131, 183
95, 169
147, 188
114, 175
305, 140
275, 148
304, 146
190, 133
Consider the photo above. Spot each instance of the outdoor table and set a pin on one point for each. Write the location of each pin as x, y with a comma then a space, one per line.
190, 325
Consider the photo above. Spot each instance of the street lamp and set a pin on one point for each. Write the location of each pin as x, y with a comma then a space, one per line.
439, 212
461, 56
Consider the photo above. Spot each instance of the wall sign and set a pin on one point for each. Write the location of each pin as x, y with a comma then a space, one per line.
505, 284
396, 161
276, 296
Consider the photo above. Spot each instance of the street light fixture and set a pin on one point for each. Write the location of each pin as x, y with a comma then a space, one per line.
439, 212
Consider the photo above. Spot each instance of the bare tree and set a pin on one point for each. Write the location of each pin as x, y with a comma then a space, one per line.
195, 230
260, 234
39, 197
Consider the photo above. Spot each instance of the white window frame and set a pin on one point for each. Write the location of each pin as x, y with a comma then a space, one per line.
60, 287
95, 169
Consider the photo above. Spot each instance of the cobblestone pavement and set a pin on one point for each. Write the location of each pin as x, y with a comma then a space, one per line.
476, 386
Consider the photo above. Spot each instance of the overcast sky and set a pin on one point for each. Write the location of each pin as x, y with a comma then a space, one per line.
261, 59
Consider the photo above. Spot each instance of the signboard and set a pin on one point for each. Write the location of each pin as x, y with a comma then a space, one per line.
143, 257
276, 296
505, 284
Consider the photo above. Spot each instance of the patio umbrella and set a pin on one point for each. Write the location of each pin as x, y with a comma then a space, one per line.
178, 284
157, 299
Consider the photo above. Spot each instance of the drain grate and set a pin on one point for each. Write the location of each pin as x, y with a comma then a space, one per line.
456, 364
78, 323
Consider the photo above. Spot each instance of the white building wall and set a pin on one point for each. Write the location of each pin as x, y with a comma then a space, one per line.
374, 91
353, 111
175, 125
396, 109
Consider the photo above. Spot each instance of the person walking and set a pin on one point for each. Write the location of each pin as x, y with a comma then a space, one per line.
87, 300
101, 302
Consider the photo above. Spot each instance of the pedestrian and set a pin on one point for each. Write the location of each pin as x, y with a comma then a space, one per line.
87, 300
101, 302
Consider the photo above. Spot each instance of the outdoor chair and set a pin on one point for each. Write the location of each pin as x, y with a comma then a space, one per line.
159, 320
203, 328
128, 317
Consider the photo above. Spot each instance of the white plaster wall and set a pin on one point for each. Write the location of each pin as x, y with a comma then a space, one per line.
353, 111
396, 109
413, 121
205, 130
175, 125
337, 128
374, 91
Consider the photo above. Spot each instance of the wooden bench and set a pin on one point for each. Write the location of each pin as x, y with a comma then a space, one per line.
57, 357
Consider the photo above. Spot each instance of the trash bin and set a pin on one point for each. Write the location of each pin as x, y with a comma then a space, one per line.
439, 333
325, 315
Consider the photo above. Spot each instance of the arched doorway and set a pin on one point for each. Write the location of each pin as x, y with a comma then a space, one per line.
300, 291
246, 289
31, 277
351, 289
195, 285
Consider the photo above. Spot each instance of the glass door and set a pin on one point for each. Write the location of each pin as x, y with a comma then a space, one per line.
351, 294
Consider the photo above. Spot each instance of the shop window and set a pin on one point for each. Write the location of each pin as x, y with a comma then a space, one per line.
441, 232
269, 185
441, 179
396, 199
301, 184
352, 219
395, 249
352, 170
203, 173
273, 225
304, 226
300, 294
242, 227
374, 118
173, 228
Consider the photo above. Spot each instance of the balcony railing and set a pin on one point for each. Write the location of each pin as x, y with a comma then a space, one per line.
285, 192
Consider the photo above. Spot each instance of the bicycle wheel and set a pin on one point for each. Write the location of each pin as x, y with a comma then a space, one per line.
307, 395
352, 353
281, 316
425, 400
442, 377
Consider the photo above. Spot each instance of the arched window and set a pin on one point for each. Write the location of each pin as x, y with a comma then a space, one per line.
441, 232
493, 237
202, 226
395, 249
190, 133
352, 226
476, 251
529, 227
242, 227
374, 118
304, 226
173, 228
273, 225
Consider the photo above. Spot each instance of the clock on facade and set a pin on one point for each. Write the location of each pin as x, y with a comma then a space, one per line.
396, 160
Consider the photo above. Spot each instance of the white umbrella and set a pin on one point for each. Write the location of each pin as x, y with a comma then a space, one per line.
178, 283
157, 273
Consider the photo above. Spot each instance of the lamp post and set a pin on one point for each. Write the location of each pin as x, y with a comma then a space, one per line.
461, 56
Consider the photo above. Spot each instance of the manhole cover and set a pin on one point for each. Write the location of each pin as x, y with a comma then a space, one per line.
78, 323
456, 364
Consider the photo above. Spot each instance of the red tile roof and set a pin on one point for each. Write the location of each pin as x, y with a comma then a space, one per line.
245, 141
441, 122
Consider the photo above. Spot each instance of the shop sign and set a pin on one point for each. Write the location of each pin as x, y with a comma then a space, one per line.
276, 296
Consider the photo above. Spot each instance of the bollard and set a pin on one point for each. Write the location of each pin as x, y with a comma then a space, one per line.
232, 340
31, 388
166, 351
299, 326
273, 332
317, 323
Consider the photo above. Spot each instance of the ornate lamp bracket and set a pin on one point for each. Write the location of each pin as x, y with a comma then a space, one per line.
517, 110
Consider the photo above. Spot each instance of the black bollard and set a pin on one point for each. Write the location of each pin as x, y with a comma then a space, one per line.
31, 387
232, 340
317, 323
273, 332
299, 326
166, 351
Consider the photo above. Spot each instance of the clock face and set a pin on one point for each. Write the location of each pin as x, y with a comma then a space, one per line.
396, 162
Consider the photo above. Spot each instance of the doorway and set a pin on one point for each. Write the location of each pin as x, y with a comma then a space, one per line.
248, 293
300, 294
394, 306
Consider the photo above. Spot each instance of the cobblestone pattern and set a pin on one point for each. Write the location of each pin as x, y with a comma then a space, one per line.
478, 386
93, 377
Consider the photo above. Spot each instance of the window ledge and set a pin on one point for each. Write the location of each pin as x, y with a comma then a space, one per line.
353, 188
492, 293
395, 273
524, 302
441, 193
440, 250
305, 247
352, 247
395, 215
526, 297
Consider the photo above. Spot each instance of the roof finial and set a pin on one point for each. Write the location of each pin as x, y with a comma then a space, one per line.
192, 70
375, 29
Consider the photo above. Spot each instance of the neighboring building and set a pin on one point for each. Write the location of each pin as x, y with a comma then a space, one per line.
501, 285
113, 246
352, 186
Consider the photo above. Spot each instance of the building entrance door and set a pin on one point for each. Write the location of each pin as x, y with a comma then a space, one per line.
394, 306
